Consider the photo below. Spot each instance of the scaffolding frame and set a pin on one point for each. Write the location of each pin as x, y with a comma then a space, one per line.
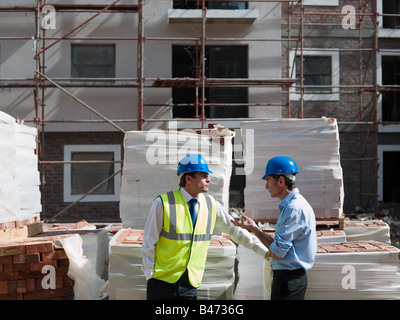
295, 8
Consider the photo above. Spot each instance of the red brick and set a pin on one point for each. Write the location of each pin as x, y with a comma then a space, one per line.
3, 287
30, 285
39, 265
26, 258
17, 286
16, 267
15, 296
39, 247
6, 260
28, 274
11, 250
53, 255
6, 276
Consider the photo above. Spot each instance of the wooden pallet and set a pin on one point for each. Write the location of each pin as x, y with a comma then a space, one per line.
322, 223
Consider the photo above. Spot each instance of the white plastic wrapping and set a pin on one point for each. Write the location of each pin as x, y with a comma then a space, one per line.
20, 197
9, 195
380, 232
314, 145
87, 284
219, 275
352, 275
27, 174
250, 273
150, 163
126, 280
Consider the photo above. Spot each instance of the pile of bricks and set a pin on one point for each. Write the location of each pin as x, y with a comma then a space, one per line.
364, 224
355, 247
34, 269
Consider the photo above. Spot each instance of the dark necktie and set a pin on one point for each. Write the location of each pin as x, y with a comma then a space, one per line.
192, 210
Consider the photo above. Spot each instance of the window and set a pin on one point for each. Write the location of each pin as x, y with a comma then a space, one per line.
317, 70
389, 175
82, 177
92, 61
320, 69
196, 4
221, 62
391, 7
389, 99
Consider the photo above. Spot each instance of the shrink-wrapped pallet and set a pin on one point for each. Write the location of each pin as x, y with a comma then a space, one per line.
27, 174
219, 274
314, 145
150, 164
20, 198
9, 195
126, 280
377, 230
353, 270
250, 275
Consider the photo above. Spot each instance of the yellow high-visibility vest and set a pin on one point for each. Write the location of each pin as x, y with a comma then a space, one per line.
181, 246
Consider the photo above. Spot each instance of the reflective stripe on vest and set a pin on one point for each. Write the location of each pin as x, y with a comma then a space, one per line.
173, 235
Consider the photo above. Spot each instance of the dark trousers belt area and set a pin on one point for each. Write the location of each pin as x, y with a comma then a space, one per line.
294, 272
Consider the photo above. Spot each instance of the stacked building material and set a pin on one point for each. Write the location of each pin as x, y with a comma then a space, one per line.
355, 270
34, 269
219, 274
314, 145
331, 235
95, 242
150, 163
377, 230
254, 273
126, 280
19, 174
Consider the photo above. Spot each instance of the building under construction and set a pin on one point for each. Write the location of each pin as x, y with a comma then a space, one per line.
92, 93
84, 74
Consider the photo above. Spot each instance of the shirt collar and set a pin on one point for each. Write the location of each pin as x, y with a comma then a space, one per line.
186, 195
288, 198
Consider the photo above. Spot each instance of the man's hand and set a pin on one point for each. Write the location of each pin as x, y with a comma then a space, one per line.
246, 223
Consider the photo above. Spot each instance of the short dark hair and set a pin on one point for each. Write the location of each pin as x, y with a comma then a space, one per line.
288, 182
182, 181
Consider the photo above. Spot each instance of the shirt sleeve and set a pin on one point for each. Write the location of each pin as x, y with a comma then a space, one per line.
239, 235
151, 234
287, 230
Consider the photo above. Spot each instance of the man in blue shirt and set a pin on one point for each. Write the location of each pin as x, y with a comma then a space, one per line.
294, 245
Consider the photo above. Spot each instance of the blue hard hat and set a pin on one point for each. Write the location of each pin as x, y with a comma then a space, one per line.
280, 165
193, 163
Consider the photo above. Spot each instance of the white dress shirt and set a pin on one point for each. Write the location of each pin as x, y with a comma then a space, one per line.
154, 225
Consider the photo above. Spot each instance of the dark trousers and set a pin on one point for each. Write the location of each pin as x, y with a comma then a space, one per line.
289, 284
180, 290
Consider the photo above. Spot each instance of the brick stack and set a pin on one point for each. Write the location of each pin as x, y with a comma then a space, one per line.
367, 230
23, 273
355, 270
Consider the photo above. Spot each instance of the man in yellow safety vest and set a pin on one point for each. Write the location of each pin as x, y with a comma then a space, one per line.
178, 231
